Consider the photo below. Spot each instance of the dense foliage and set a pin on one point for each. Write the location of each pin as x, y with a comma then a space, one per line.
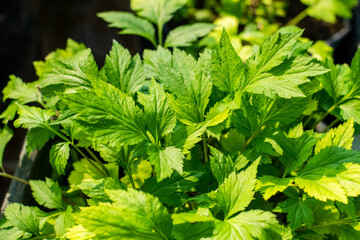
169, 146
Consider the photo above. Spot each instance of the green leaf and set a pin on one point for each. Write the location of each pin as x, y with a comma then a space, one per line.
33, 117
134, 215
297, 148
77, 71
37, 138
130, 24
335, 81
95, 189
108, 114
166, 161
348, 232
122, 71
123, 156
159, 114
237, 190
18, 90
193, 216
270, 185
185, 35
342, 136
349, 208
186, 137
169, 190
251, 225
158, 12
197, 231
184, 77
332, 174
47, 193
351, 109
83, 170
270, 71
221, 166
5, 136
63, 222
59, 155
23, 217
327, 10
227, 69
298, 212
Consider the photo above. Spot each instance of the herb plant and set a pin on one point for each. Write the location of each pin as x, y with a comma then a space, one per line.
158, 13
174, 147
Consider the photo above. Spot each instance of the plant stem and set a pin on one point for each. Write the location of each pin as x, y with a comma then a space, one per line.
324, 116
3, 174
128, 170
331, 125
78, 150
247, 143
92, 154
206, 157
160, 34
298, 18
308, 120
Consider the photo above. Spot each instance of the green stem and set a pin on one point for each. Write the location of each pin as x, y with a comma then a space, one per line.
77, 149
50, 236
298, 18
206, 157
92, 154
342, 221
247, 143
308, 120
331, 125
160, 34
3, 174
324, 116
128, 170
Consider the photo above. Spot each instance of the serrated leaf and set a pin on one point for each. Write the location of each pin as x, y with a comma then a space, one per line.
237, 190
58, 157
158, 12
348, 232
36, 138
335, 81
63, 222
134, 215
197, 231
123, 71
77, 71
194, 216
184, 77
83, 169
33, 117
348, 208
298, 212
327, 10
186, 137
228, 70
123, 156
270, 185
5, 136
47, 193
108, 114
342, 136
250, 225
332, 174
221, 166
130, 24
95, 188
166, 161
23, 217
351, 109
169, 190
272, 72
20, 91
159, 114
185, 35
